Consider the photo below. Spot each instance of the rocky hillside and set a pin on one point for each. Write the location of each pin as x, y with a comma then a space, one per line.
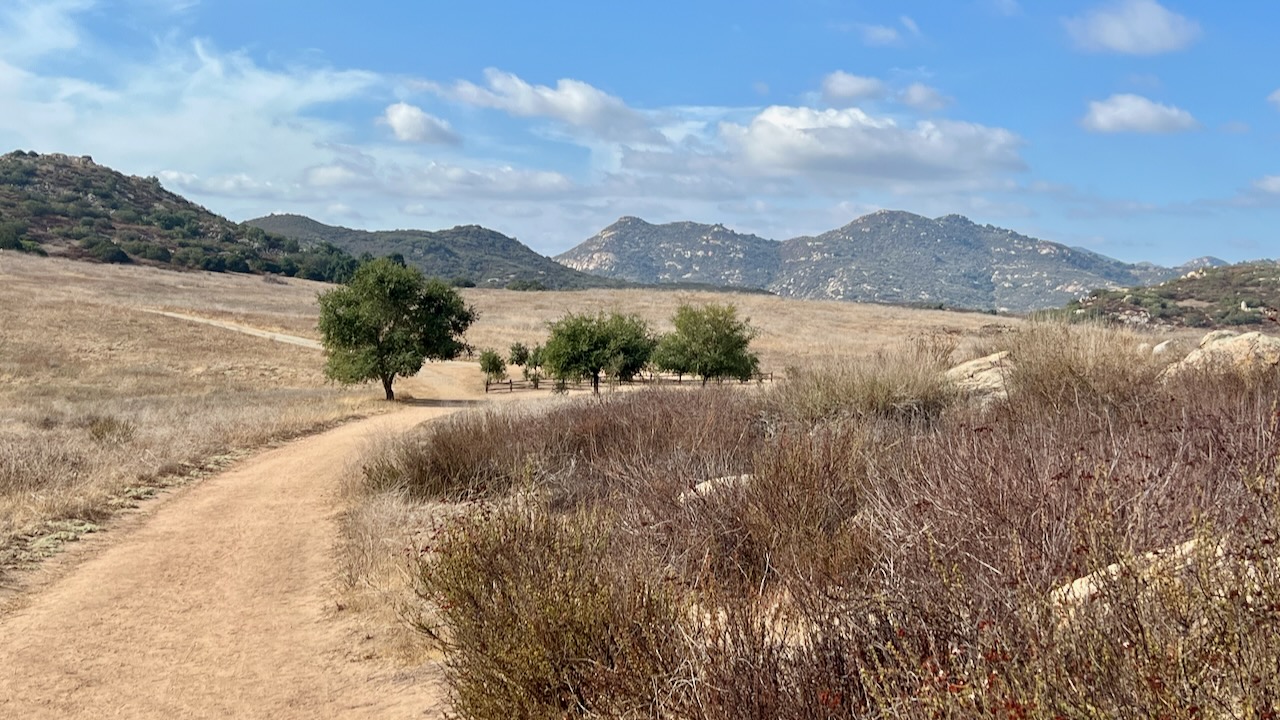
465, 254
71, 206
887, 256
1244, 294
635, 250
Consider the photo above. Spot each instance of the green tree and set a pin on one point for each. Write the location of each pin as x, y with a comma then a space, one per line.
532, 369
710, 342
492, 365
387, 321
519, 354
584, 346
11, 235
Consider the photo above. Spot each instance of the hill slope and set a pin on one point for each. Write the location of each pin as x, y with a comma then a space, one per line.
55, 204
1243, 294
887, 256
468, 252
635, 250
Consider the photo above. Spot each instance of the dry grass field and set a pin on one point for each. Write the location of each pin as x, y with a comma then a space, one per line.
799, 333
101, 403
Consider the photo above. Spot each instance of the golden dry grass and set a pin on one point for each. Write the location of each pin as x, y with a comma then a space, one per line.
797, 333
101, 402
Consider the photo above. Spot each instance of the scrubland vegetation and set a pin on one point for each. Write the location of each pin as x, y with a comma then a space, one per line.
858, 541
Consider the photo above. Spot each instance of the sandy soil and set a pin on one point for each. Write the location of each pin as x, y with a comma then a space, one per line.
216, 601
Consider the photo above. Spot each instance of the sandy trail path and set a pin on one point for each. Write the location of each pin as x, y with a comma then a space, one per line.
217, 602
238, 327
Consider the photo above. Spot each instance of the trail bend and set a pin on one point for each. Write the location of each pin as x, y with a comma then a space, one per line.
217, 601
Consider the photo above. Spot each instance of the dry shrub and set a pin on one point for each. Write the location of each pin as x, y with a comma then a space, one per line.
568, 626
576, 452
905, 382
791, 527
885, 569
1060, 365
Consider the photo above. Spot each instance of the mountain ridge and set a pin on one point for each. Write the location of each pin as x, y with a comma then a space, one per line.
465, 253
889, 256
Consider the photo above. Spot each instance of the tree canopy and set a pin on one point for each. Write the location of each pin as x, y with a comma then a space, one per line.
387, 321
710, 342
584, 346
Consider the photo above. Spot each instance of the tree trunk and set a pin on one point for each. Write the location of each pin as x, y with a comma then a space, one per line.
595, 383
386, 386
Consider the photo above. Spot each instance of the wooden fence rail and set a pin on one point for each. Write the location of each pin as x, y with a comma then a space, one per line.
512, 385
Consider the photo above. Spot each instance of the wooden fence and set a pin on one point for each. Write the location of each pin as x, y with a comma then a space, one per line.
512, 385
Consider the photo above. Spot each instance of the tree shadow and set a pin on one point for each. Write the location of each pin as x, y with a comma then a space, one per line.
435, 402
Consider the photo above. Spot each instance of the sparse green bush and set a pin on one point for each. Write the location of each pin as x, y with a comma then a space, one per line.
492, 365
109, 252
518, 355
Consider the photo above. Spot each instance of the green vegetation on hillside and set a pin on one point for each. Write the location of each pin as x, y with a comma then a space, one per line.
467, 253
1244, 294
74, 207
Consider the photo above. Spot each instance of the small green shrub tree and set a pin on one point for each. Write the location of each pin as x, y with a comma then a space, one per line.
710, 342
387, 321
585, 346
518, 354
492, 365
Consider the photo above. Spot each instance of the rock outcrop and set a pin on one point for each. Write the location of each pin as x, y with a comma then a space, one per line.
1225, 350
985, 380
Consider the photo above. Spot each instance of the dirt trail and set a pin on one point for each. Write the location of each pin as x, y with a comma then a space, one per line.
218, 602
237, 327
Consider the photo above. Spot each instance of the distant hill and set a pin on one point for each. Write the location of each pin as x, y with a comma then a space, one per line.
1211, 296
71, 206
464, 253
635, 250
887, 256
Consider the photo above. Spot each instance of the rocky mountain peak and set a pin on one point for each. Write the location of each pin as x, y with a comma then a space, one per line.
885, 256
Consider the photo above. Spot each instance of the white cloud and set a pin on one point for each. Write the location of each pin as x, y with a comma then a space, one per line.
435, 179
34, 28
1134, 27
841, 86
923, 97
573, 102
233, 185
1136, 114
411, 124
857, 146
1274, 99
910, 25
336, 175
1269, 184
879, 35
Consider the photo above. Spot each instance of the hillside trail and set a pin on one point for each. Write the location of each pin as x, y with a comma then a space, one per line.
217, 600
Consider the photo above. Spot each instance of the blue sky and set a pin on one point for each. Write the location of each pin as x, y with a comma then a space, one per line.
1144, 130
